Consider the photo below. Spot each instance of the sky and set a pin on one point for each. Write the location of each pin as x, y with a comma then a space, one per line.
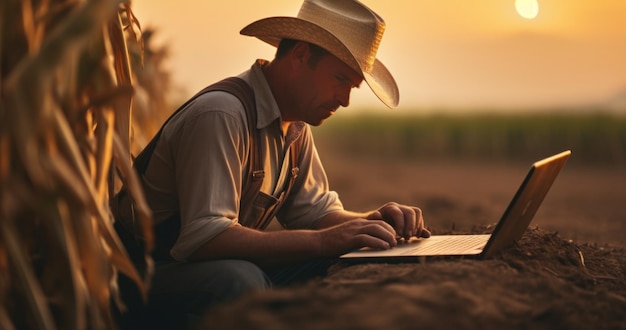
446, 54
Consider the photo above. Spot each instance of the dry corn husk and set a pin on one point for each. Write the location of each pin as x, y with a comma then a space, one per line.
67, 86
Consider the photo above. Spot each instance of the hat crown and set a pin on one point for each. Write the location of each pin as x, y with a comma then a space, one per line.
359, 28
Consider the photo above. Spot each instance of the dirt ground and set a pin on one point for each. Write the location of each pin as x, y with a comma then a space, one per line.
568, 271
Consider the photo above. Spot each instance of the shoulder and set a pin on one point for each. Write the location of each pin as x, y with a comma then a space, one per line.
208, 107
208, 115
217, 102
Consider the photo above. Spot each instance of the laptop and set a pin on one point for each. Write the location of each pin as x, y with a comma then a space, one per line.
509, 229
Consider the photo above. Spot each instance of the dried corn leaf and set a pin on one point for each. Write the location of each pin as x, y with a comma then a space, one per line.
60, 129
26, 281
122, 69
104, 139
96, 208
62, 263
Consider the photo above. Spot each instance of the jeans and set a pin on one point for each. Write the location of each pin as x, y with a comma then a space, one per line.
181, 292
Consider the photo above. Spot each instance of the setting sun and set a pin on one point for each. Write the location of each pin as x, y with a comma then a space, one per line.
527, 8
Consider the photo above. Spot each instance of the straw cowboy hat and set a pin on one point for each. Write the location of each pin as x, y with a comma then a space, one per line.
346, 28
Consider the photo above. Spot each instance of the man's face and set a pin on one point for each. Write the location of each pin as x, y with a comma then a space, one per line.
321, 89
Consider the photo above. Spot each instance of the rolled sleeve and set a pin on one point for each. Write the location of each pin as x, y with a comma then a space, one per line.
189, 239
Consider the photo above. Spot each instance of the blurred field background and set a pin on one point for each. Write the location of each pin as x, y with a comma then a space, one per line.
463, 169
597, 138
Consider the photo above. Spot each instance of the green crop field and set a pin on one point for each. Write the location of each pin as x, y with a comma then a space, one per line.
595, 138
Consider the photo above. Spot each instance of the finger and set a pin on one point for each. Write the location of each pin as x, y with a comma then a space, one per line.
406, 223
412, 216
373, 242
419, 222
393, 214
381, 230
375, 215
421, 230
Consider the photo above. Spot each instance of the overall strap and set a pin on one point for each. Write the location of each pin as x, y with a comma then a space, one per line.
270, 205
295, 150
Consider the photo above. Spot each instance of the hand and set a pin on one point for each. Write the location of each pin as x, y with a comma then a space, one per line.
406, 220
355, 234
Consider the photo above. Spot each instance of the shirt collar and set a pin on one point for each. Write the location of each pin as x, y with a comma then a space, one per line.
267, 109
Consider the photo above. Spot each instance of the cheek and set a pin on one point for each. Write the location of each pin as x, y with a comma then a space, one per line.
316, 89
301, 89
307, 96
313, 91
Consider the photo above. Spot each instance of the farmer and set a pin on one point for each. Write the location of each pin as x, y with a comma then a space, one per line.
198, 172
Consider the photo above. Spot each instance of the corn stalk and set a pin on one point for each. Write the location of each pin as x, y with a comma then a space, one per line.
65, 118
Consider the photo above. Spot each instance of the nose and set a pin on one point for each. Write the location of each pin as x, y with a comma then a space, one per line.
343, 96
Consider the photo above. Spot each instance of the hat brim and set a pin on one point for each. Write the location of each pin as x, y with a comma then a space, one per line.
273, 29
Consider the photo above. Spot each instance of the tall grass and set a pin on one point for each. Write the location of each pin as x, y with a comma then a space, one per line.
67, 86
595, 138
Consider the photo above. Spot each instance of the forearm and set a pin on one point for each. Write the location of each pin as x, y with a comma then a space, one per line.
338, 233
263, 248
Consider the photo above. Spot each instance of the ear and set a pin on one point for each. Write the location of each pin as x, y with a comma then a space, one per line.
300, 53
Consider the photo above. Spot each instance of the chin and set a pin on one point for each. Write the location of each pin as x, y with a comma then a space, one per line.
316, 123
319, 120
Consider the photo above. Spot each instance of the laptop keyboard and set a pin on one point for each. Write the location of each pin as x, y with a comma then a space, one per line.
448, 244
438, 245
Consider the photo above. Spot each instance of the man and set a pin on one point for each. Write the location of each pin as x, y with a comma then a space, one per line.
199, 166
